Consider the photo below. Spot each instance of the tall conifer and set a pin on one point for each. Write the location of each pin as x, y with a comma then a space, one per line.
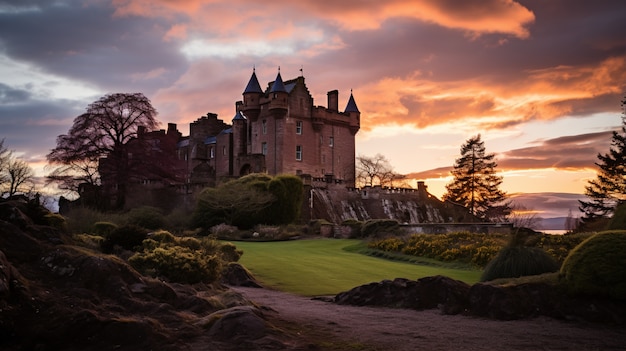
476, 184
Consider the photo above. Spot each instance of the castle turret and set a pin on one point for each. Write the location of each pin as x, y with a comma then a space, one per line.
278, 97
239, 131
251, 98
355, 115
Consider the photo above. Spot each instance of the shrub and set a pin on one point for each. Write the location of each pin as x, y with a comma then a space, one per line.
355, 227
177, 264
147, 217
598, 266
93, 242
128, 237
183, 259
56, 220
223, 230
103, 228
230, 253
374, 227
81, 220
518, 261
162, 236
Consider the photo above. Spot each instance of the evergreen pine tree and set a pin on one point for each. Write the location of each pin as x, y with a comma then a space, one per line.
608, 189
476, 184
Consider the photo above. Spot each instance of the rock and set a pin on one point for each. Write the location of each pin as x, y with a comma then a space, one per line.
241, 322
235, 274
426, 293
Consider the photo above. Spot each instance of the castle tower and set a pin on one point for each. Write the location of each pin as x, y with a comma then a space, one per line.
355, 115
278, 97
240, 134
252, 98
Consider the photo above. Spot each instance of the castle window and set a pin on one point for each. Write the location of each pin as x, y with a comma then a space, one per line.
264, 148
212, 151
223, 150
264, 126
299, 127
298, 152
331, 141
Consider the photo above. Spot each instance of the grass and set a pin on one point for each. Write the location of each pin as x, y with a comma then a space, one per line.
329, 266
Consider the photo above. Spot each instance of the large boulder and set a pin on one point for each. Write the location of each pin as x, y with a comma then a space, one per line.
426, 293
235, 274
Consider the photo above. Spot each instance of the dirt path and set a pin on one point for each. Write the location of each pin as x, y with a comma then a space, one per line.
400, 329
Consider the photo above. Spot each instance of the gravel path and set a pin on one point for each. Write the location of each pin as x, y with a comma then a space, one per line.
401, 329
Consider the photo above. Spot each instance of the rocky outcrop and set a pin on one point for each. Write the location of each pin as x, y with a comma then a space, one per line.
57, 296
485, 300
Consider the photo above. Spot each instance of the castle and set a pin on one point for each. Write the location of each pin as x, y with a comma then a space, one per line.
278, 130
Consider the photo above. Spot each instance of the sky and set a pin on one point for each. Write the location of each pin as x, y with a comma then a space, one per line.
540, 81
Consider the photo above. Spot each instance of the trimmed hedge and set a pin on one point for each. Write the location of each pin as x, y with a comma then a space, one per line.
598, 266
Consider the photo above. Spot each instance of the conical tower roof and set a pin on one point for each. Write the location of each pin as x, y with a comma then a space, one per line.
239, 116
278, 85
253, 85
351, 106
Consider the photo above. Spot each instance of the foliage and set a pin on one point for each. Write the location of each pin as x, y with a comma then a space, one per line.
128, 237
356, 227
93, 242
618, 220
515, 261
223, 231
609, 187
559, 246
379, 227
476, 249
250, 200
185, 259
288, 195
104, 228
56, 220
147, 217
82, 219
475, 184
598, 266
98, 139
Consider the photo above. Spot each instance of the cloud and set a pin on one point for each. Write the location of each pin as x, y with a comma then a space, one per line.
549, 205
567, 153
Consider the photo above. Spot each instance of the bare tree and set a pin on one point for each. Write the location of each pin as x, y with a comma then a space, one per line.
20, 177
371, 171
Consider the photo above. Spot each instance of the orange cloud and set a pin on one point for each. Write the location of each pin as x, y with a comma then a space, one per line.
491, 102
475, 17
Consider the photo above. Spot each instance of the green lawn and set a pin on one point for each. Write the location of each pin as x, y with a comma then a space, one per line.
322, 266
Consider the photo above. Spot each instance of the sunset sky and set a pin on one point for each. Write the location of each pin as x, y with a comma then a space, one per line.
540, 80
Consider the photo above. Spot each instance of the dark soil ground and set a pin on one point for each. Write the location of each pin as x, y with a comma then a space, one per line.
328, 326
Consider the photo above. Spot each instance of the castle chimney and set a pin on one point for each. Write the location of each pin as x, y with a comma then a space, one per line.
333, 100
421, 186
171, 128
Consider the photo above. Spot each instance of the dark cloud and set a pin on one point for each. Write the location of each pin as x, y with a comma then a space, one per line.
88, 44
9, 95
